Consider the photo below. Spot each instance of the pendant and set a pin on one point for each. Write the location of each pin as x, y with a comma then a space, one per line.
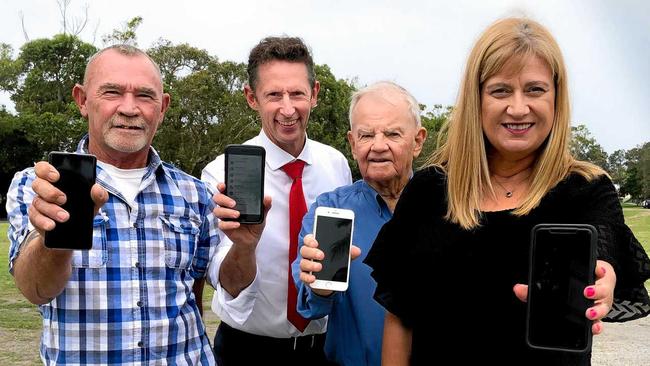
508, 194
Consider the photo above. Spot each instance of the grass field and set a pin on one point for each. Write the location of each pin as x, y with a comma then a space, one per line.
20, 323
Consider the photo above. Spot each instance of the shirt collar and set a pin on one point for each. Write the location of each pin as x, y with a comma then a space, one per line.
379, 204
276, 158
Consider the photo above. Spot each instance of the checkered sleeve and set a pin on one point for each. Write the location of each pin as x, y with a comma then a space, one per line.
19, 197
208, 234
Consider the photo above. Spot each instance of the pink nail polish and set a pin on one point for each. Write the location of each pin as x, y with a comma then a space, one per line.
592, 313
590, 292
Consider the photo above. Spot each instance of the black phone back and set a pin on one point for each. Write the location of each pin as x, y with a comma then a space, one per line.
77, 176
562, 264
245, 181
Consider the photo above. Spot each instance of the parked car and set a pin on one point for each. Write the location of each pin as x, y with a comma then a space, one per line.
645, 204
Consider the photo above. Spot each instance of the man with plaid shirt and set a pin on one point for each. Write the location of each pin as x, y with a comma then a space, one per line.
134, 298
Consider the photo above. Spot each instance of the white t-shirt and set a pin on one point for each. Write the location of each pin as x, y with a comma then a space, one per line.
261, 308
127, 181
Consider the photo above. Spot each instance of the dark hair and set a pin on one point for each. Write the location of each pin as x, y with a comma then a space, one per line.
291, 49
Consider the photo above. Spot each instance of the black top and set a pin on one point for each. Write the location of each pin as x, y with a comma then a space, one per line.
474, 315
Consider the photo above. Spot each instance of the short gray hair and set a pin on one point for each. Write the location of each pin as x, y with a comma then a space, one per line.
381, 87
124, 49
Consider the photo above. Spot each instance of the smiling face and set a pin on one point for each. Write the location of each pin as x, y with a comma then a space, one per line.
123, 100
385, 139
283, 98
518, 108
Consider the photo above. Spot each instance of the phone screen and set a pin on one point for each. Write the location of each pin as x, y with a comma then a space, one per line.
562, 266
77, 176
245, 180
334, 237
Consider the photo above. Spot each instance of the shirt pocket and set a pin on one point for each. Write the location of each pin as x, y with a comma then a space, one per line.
180, 235
97, 256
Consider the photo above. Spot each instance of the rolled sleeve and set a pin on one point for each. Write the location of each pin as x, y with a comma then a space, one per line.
19, 197
238, 308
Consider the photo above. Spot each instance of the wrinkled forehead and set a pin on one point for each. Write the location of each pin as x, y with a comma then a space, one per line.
383, 104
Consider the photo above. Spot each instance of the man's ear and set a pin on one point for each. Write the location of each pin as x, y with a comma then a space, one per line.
352, 144
314, 94
166, 98
79, 96
250, 97
420, 137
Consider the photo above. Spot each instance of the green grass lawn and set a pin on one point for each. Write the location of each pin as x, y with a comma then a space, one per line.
20, 322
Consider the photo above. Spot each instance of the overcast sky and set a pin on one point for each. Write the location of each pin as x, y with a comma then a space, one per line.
421, 45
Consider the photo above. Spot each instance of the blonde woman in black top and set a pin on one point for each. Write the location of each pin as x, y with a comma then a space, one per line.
461, 230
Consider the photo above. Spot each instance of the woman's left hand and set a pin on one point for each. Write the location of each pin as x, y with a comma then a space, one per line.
602, 292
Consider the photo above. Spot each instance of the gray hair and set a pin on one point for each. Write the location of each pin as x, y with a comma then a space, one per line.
381, 87
123, 49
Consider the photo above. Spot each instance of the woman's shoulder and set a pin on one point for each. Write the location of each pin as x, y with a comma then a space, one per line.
429, 175
578, 185
585, 197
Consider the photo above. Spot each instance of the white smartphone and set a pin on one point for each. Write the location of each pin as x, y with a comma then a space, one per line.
333, 231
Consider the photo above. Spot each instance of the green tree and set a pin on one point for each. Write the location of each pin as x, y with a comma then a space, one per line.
329, 121
584, 147
126, 35
9, 69
40, 81
47, 71
16, 153
616, 166
637, 180
432, 120
644, 167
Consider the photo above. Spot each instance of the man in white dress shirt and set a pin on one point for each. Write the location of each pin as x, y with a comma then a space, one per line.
250, 270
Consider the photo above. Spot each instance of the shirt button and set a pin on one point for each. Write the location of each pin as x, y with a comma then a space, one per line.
140, 344
139, 303
137, 264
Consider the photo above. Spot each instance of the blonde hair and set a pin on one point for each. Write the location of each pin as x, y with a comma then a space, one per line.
462, 149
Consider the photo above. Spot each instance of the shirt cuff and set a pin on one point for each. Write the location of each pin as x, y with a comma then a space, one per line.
315, 306
241, 307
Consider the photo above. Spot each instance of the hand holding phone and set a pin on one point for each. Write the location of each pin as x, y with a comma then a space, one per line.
333, 230
245, 181
76, 178
562, 264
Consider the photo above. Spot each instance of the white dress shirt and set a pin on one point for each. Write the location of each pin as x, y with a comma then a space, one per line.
261, 308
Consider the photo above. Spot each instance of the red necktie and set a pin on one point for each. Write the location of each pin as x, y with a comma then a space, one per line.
297, 209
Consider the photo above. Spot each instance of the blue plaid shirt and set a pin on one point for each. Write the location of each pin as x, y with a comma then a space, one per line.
129, 299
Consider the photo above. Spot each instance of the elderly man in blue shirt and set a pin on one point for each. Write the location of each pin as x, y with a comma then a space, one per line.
385, 136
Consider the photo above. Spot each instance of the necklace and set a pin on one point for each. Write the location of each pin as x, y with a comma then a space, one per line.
510, 192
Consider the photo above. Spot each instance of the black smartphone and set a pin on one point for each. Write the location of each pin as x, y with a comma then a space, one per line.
333, 231
245, 181
77, 176
562, 264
